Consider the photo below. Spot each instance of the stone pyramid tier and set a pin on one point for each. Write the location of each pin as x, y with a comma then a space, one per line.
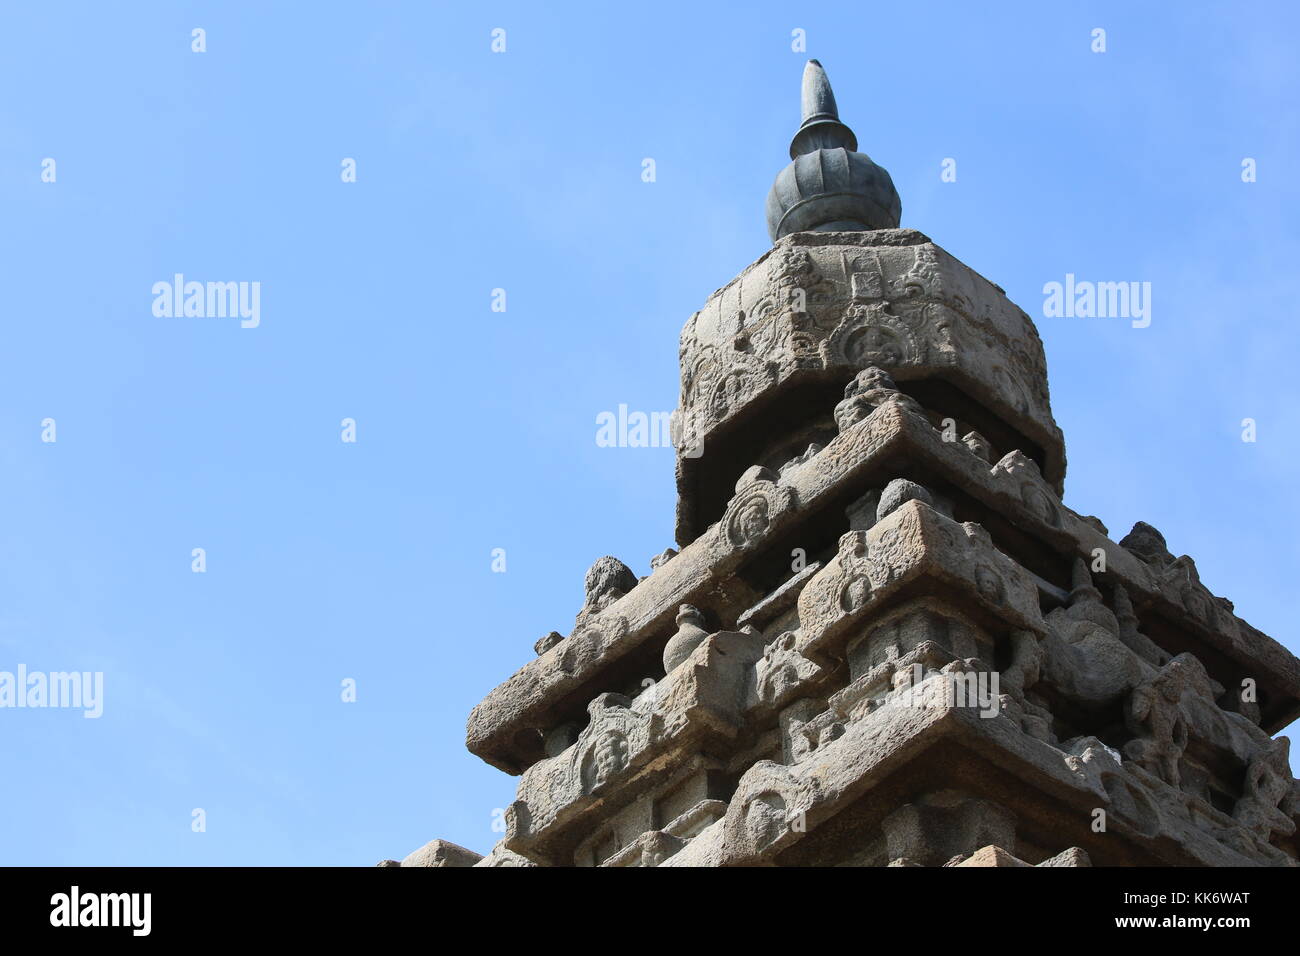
766, 359
945, 646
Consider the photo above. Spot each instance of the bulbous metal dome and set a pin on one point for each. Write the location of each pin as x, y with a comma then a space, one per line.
829, 186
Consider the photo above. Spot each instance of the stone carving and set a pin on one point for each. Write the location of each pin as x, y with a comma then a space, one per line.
441, 853
608, 756
1132, 802
840, 588
792, 268
763, 816
801, 459
1267, 805
722, 381
866, 275
870, 336
1200, 603
818, 725
657, 847
1179, 580
691, 633
1148, 544
898, 491
662, 558
605, 748
924, 277
1083, 659
546, 642
989, 583
870, 388
590, 641
1012, 388
979, 446
781, 671
698, 377
758, 502
607, 581
1037, 496
1017, 682
1156, 720
1127, 621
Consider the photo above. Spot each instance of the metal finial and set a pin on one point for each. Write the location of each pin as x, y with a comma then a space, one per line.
821, 127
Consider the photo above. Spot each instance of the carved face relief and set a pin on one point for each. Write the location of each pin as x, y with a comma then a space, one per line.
764, 329
979, 446
607, 758
875, 345
753, 521
1039, 503
698, 378
728, 393
757, 504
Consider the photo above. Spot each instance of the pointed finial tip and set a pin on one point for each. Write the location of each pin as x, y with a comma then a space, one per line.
818, 101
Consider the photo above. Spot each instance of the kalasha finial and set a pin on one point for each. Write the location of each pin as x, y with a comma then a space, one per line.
821, 127
830, 186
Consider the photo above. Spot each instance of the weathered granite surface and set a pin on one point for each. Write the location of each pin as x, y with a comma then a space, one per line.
885, 641
819, 307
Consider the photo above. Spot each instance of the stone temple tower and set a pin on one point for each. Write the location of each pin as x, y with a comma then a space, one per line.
884, 640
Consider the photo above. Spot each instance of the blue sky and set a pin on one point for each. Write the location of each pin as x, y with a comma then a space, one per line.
522, 170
